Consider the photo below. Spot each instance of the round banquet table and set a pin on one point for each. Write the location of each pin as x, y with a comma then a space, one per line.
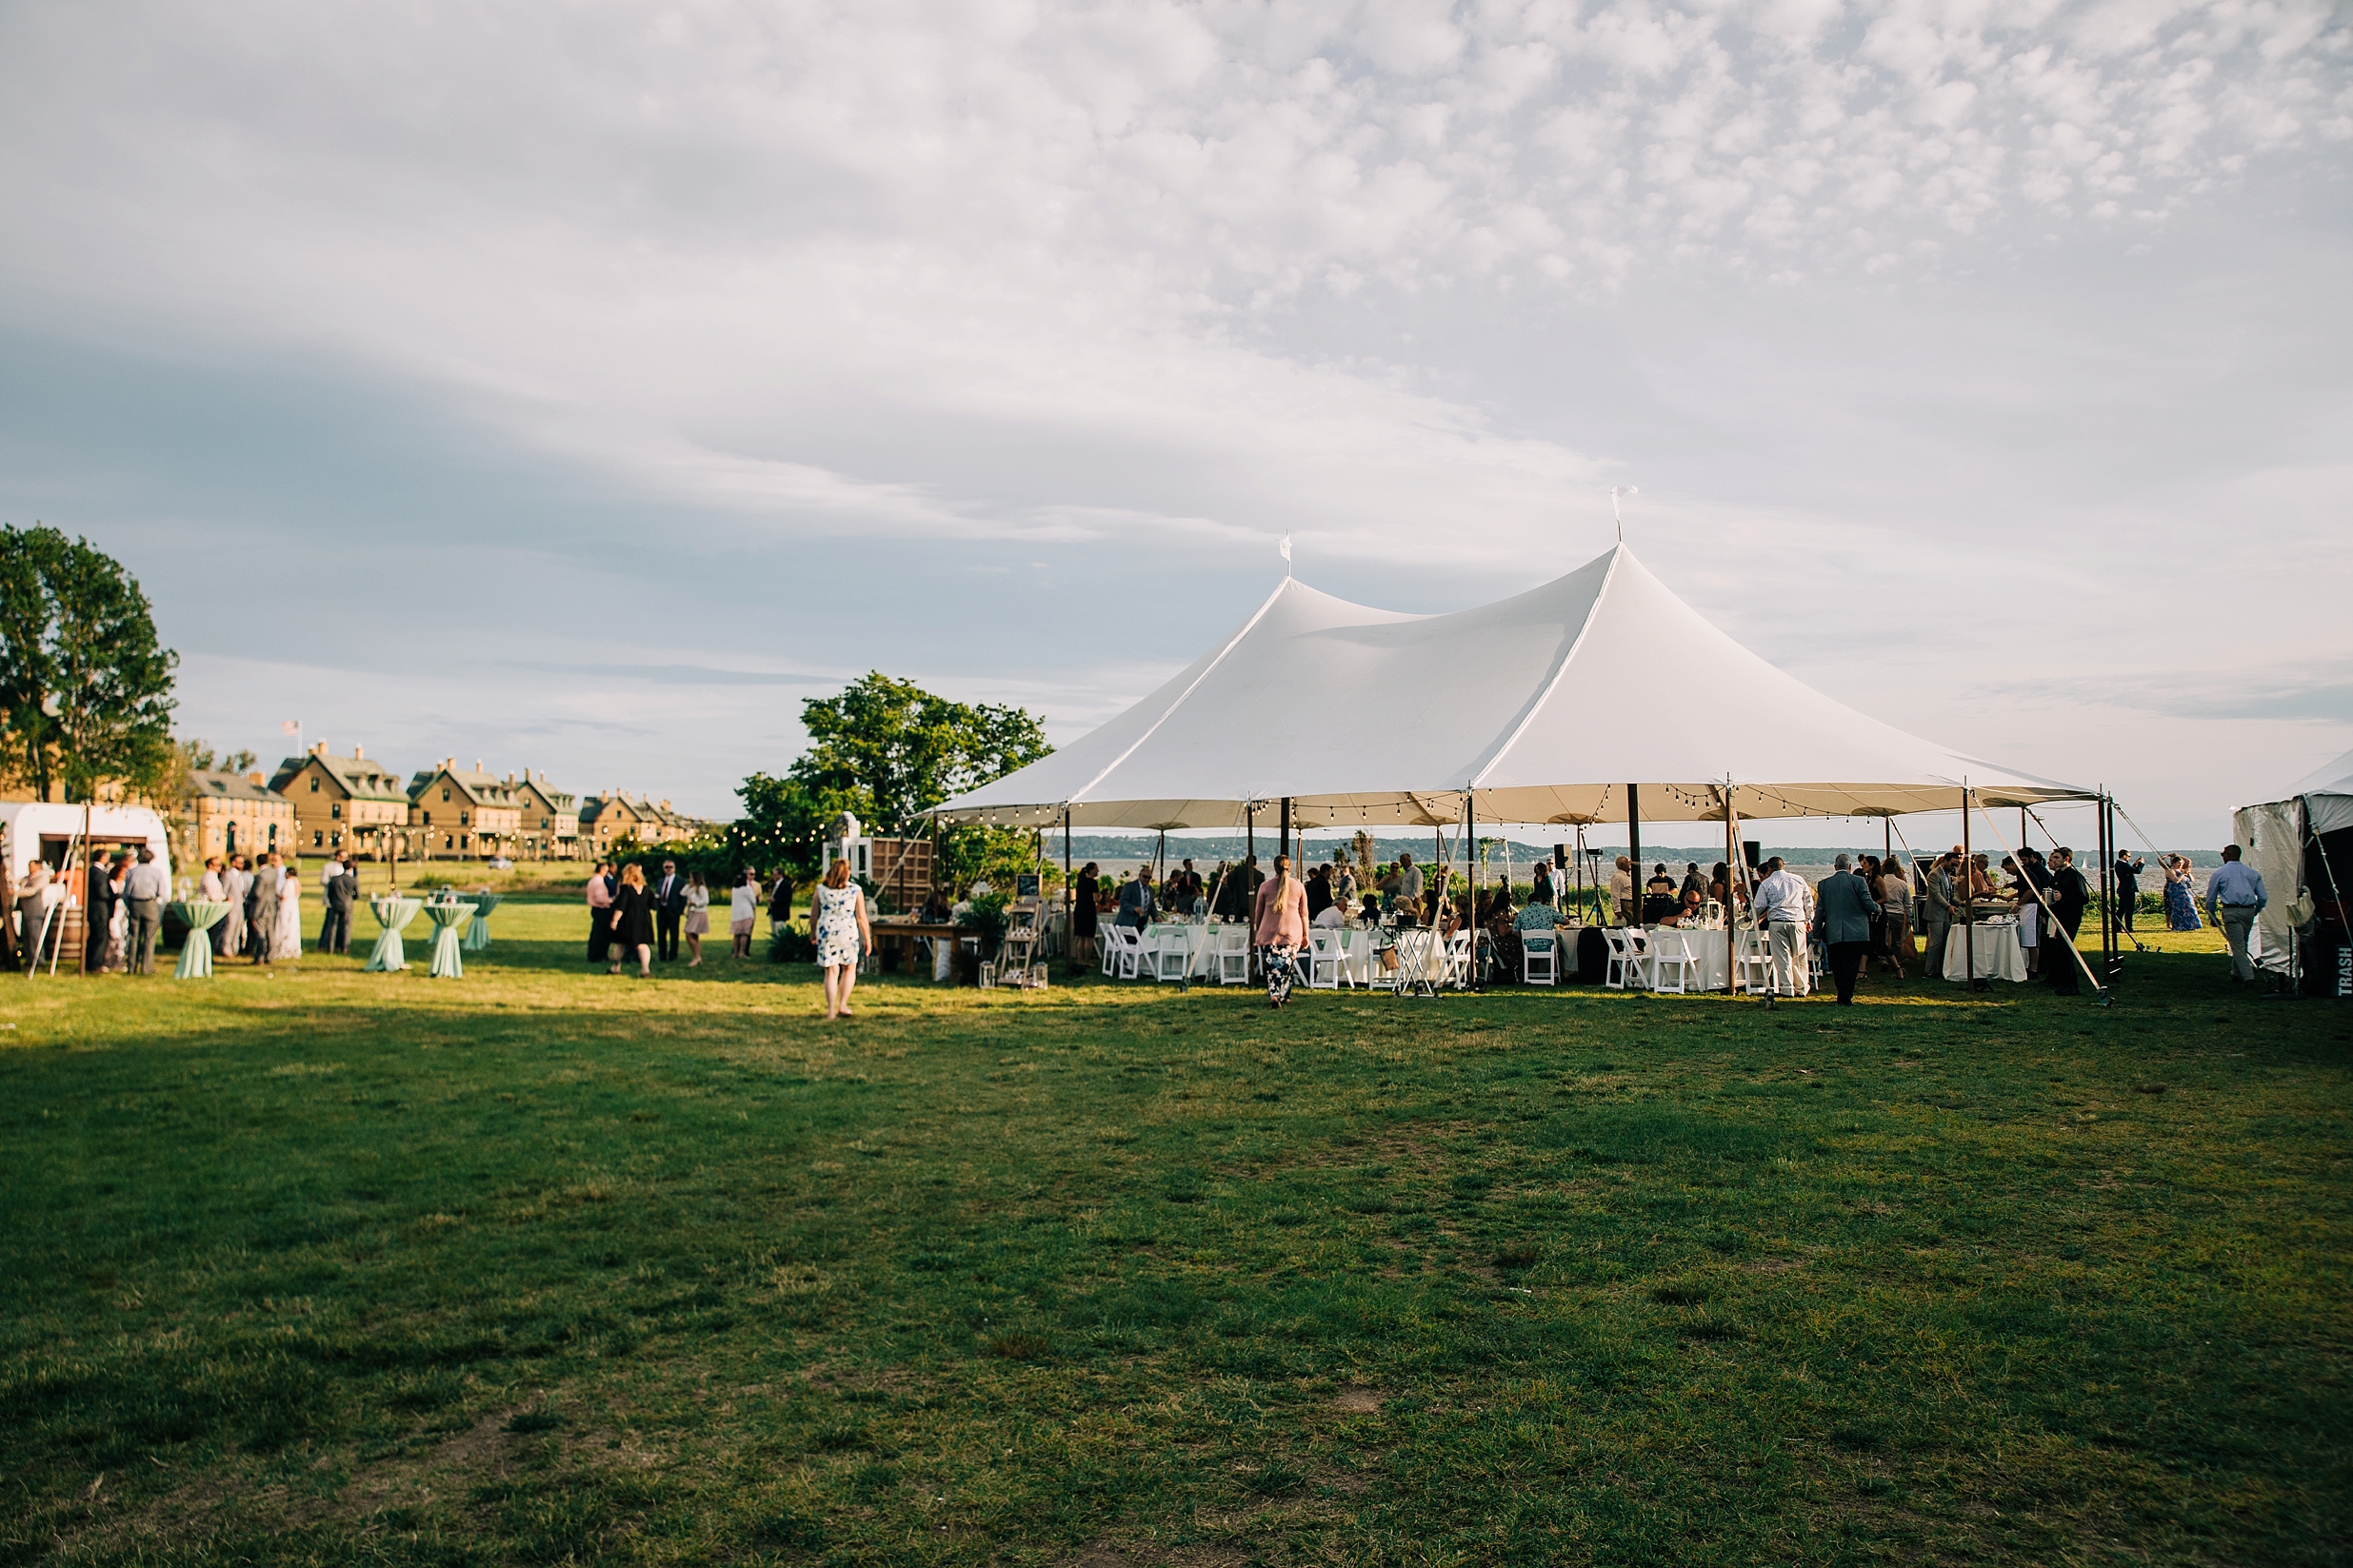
202, 915
1711, 965
478, 930
392, 914
1999, 957
448, 963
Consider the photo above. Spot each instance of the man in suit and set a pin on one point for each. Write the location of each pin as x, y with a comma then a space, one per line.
1845, 905
341, 892
670, 906
2127, 873
261, 907
98, 902
229, 936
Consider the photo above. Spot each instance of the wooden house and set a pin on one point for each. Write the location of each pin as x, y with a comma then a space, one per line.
342, 803
551, 817
235, 814
461, 811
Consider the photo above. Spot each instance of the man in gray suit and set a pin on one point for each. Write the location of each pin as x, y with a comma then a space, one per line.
261, 907
1845, 906
145, 890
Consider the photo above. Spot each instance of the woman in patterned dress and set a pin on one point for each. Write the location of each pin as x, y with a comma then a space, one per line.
837, 919
1281, 929
2181, 899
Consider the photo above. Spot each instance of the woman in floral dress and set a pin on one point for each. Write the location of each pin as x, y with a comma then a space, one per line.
837, 919
2180, 899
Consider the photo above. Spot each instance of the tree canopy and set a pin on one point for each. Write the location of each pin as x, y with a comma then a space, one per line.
84, 684
890, 752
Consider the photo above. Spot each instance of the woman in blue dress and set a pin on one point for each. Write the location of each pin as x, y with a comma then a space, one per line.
2180, 903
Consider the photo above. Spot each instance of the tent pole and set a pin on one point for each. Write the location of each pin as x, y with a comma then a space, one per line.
2107, 885
1968, 895
1069, 904
1287, 829
1634, 850
1731, 925
1470, 915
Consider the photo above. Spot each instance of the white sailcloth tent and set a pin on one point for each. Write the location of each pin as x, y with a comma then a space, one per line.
1537, 708
2271, 838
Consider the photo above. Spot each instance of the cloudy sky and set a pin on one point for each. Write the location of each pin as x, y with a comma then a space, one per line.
579, 386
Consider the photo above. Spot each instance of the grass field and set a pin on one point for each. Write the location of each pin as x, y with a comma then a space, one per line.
543, 1267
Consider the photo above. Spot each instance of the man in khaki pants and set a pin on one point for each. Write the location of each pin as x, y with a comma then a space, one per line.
1784, 906
2234, 897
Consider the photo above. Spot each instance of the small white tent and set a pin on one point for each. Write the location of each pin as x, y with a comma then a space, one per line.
2272, 837
1537, 708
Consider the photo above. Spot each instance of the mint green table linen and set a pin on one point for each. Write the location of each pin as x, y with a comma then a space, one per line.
392, 914
478, 930
202, 915
448, 963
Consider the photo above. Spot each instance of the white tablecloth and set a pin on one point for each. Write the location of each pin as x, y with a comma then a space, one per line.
1999, 956
1711, 967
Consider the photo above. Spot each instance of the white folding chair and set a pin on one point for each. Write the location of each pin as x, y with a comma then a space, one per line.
1106, 938
1627, 944
1232, 954
1540, 959
1326, 961
1752, 961
1127, 947
1670, 950
1455, 969
1174, 958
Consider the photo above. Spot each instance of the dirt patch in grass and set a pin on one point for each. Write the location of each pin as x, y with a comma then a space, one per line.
1358, 1399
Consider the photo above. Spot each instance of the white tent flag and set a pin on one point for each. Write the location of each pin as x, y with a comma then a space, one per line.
1368, 716
1286, 555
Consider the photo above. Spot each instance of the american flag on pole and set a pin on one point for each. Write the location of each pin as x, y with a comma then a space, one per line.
293, 726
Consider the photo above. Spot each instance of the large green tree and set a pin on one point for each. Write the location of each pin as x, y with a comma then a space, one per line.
890, 752
84, 684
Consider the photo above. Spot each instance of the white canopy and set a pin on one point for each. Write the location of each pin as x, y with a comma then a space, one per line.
1541, 708
2327, 794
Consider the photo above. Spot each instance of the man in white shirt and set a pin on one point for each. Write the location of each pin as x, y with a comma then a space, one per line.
211, 889
2234, 897
1408, 886
1784, 903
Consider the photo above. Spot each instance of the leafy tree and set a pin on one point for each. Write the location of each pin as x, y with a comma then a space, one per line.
895, 750
888, 751
85, 687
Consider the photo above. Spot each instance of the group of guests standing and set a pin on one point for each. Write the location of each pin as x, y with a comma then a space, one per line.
630, 917
264, 896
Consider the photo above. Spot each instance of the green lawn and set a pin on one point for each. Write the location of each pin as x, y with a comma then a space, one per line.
542, 1266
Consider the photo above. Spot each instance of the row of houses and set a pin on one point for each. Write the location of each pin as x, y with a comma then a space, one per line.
320, 802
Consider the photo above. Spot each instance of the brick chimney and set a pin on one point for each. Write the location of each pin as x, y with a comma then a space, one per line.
256, 778
318, 748
359, 753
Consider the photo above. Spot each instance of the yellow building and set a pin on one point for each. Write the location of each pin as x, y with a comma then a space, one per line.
342, 803
235, 814
551, 830
606, 819
458, 811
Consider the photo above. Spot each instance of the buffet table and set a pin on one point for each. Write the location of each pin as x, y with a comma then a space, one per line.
1999, 957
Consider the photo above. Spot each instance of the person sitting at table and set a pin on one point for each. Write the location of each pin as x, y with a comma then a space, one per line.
1183, 886
1622, 891
936, 910
1330, 918
1690, 914
1691, 879
1318, 891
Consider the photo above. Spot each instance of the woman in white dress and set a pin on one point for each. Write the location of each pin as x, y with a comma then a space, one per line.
286, 941
698, 917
